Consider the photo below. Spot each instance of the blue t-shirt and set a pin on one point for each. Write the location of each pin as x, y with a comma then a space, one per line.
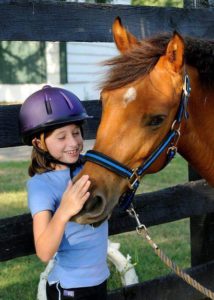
81, 257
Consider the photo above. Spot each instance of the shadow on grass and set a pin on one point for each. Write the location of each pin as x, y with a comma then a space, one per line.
19, 278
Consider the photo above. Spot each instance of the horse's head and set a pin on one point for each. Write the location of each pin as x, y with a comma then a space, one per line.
139, 102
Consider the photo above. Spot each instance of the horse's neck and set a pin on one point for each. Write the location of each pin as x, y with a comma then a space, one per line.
197, 135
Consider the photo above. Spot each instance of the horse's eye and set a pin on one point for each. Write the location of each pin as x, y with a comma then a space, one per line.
156, 120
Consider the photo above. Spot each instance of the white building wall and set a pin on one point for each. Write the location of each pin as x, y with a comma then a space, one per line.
84, 70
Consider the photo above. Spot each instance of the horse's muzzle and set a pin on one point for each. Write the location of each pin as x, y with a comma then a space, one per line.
95, 206
93, 212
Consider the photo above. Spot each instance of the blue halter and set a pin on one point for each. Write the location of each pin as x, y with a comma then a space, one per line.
134, 175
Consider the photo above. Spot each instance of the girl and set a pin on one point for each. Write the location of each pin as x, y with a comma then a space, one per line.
51, 120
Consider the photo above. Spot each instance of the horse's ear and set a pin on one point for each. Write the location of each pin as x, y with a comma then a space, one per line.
124, 40
175, 53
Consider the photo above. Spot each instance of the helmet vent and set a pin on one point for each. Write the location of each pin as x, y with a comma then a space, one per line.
48, 106
68, 102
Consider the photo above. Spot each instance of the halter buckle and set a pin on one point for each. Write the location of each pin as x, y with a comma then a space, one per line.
176, 128
186, 86
133, 180
176, 125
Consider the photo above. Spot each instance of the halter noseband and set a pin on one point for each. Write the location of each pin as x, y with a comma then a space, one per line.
134, 175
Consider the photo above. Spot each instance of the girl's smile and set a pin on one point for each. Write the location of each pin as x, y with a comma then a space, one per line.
73, 153
65, 143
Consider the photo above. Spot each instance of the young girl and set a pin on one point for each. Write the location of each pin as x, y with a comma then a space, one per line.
51, 120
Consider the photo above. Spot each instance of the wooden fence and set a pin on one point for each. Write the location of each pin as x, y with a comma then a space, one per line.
61, 21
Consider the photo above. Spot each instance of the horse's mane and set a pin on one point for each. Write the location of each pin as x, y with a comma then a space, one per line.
141, 60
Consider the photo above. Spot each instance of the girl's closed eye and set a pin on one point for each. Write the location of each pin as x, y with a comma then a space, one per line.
61, 138
76, 133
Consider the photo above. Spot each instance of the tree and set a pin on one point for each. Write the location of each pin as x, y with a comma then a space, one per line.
175, 3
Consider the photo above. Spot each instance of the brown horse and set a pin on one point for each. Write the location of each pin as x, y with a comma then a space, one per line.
140, 99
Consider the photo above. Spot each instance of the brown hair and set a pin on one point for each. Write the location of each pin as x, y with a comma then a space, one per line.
39, 163
39, 160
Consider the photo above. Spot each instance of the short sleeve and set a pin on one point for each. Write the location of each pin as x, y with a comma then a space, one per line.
40, 196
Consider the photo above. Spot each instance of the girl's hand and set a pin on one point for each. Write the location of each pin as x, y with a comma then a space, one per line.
74, 197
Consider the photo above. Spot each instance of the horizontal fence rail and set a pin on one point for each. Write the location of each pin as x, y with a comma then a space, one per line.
65, 21
168, 287
167, 205
9, 125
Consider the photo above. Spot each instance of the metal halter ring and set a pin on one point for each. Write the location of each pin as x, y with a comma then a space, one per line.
176, 126
133, 179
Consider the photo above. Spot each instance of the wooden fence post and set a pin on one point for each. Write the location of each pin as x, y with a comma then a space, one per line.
201, 233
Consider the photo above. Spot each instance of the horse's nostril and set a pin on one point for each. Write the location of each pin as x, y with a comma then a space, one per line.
95, 205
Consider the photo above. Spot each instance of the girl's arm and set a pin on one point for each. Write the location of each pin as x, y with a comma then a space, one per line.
48, 230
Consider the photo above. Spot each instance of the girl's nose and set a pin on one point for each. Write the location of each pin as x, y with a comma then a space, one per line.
72, 141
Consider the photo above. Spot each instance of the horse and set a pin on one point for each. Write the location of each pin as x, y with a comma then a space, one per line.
141, 107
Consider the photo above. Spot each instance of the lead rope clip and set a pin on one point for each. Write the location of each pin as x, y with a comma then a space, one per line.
141, 228
131, 211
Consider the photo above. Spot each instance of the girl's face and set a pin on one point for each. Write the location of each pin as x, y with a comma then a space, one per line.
65, 143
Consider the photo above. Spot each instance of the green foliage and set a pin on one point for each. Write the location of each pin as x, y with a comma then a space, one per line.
22, 62
103, 1
164, 3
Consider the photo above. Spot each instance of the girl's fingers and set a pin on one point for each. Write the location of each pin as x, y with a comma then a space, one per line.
80, 183
84, 188
85, 197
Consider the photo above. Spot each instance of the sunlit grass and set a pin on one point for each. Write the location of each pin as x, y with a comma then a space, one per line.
176, 172
12, 188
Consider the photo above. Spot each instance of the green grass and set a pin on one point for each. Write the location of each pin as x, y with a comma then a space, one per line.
19, 277
12, 188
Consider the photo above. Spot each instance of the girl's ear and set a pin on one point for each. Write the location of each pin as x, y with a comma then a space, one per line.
40, 143
37, 143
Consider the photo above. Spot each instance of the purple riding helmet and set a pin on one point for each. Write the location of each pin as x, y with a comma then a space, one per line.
47, 109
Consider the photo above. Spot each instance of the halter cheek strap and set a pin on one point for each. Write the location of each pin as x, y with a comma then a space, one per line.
134, 175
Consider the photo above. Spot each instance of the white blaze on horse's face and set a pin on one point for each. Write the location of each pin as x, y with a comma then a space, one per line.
129, 96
